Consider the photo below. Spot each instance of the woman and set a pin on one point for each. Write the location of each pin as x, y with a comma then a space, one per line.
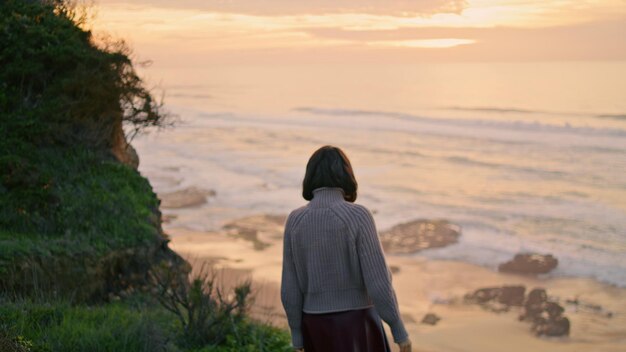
335, 282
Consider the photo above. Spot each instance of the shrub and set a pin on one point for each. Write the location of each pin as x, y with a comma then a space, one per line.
137, 324
207, 312
214, 318
58, 326
255, 337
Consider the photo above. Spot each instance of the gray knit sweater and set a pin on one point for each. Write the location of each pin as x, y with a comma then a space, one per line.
333, 262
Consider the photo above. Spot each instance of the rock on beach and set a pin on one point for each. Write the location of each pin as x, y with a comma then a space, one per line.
529, 263
546, 317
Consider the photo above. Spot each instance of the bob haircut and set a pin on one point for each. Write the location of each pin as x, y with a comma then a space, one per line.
329, 167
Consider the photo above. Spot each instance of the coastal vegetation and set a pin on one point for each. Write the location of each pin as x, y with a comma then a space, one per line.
84, 262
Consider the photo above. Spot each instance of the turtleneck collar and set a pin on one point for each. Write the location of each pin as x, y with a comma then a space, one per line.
326, 196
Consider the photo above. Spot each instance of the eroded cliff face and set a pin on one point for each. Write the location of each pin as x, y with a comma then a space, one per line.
121, 149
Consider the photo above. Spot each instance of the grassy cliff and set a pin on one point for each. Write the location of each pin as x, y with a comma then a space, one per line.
73, 218
80, 229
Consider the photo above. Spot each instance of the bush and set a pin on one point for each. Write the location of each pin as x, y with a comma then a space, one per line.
136, 324
214, 318
255, 337
58, 326
207, 314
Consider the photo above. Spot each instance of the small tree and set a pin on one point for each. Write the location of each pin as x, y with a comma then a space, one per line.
207, 312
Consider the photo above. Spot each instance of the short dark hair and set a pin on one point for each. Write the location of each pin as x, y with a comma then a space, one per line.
329, 167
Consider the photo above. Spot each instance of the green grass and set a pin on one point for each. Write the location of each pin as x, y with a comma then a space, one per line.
98, 204
123, 326
254, 337
77, 226
67, 214
111, 327
98, 209
63, 102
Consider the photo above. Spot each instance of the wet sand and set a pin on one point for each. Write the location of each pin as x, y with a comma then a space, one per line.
422, 286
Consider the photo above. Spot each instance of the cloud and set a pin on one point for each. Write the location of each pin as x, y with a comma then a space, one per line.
592, 41
298, 7
178, 34
436, 43
589, 41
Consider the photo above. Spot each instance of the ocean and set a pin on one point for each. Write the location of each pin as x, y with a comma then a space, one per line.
523, 156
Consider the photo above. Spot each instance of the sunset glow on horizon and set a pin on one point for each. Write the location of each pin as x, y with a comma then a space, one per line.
447, 30
428, 43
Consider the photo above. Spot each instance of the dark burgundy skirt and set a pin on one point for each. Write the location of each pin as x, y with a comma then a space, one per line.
350, 331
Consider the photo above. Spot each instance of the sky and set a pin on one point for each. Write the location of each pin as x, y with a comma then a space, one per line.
201, 32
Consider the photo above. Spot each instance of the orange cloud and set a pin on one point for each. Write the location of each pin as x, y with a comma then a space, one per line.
298, 7
487, 30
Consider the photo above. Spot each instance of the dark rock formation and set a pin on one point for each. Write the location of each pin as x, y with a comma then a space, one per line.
418, 235
529, 263
534, 304
512, 295
559, 326
551, 322
497, 299
505, 295
483, 295
430, 319
546, 317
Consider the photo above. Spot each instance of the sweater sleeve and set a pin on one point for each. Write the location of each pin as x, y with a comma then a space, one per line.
291, 295
377, 277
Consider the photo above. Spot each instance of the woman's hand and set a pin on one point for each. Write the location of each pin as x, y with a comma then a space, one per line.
405, 346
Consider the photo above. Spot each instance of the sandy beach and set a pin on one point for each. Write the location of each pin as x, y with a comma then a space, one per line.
252, 248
